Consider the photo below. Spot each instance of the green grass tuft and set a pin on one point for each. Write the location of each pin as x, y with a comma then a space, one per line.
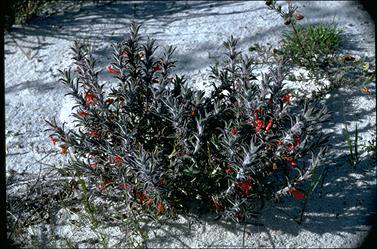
319, 41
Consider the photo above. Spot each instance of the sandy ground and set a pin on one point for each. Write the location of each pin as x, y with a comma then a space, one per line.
338, 216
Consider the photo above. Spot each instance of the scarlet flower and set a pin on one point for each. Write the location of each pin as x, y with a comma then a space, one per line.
193, 114
230, 171
260, 125
141, 196
246, 186
290, 147
293, 162
90, 98
93, 134
299, 17
297, 140
269, 125
54, 140
112, 70
156, 68
296, 143
83, 114
298, 195
234, 131
287, 99
118, 161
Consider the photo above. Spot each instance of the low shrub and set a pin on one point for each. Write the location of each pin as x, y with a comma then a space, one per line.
161, 147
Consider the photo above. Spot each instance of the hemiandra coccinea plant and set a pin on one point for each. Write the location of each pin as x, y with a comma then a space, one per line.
165, 146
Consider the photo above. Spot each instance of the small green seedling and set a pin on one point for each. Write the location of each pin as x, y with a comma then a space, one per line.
353, 157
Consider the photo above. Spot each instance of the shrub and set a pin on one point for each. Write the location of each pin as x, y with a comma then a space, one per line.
161, 147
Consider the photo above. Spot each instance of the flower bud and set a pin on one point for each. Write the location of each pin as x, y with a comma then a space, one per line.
299, 17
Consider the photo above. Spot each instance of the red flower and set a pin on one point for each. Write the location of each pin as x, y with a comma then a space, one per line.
230, 171
118, 161
246, 186
234, 131
298, 195
193, 114
293, 162
269, 125
112, 70
156, 68
299, 17
90, 98
83, 114
54, 140
140, 196
93, 134
296, 143
287, 99
297, 140
259, 125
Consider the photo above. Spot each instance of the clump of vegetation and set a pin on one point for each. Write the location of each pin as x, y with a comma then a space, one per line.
166, 146
320, 42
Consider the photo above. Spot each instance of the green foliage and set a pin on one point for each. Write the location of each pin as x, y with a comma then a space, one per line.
319, 42
353, 157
